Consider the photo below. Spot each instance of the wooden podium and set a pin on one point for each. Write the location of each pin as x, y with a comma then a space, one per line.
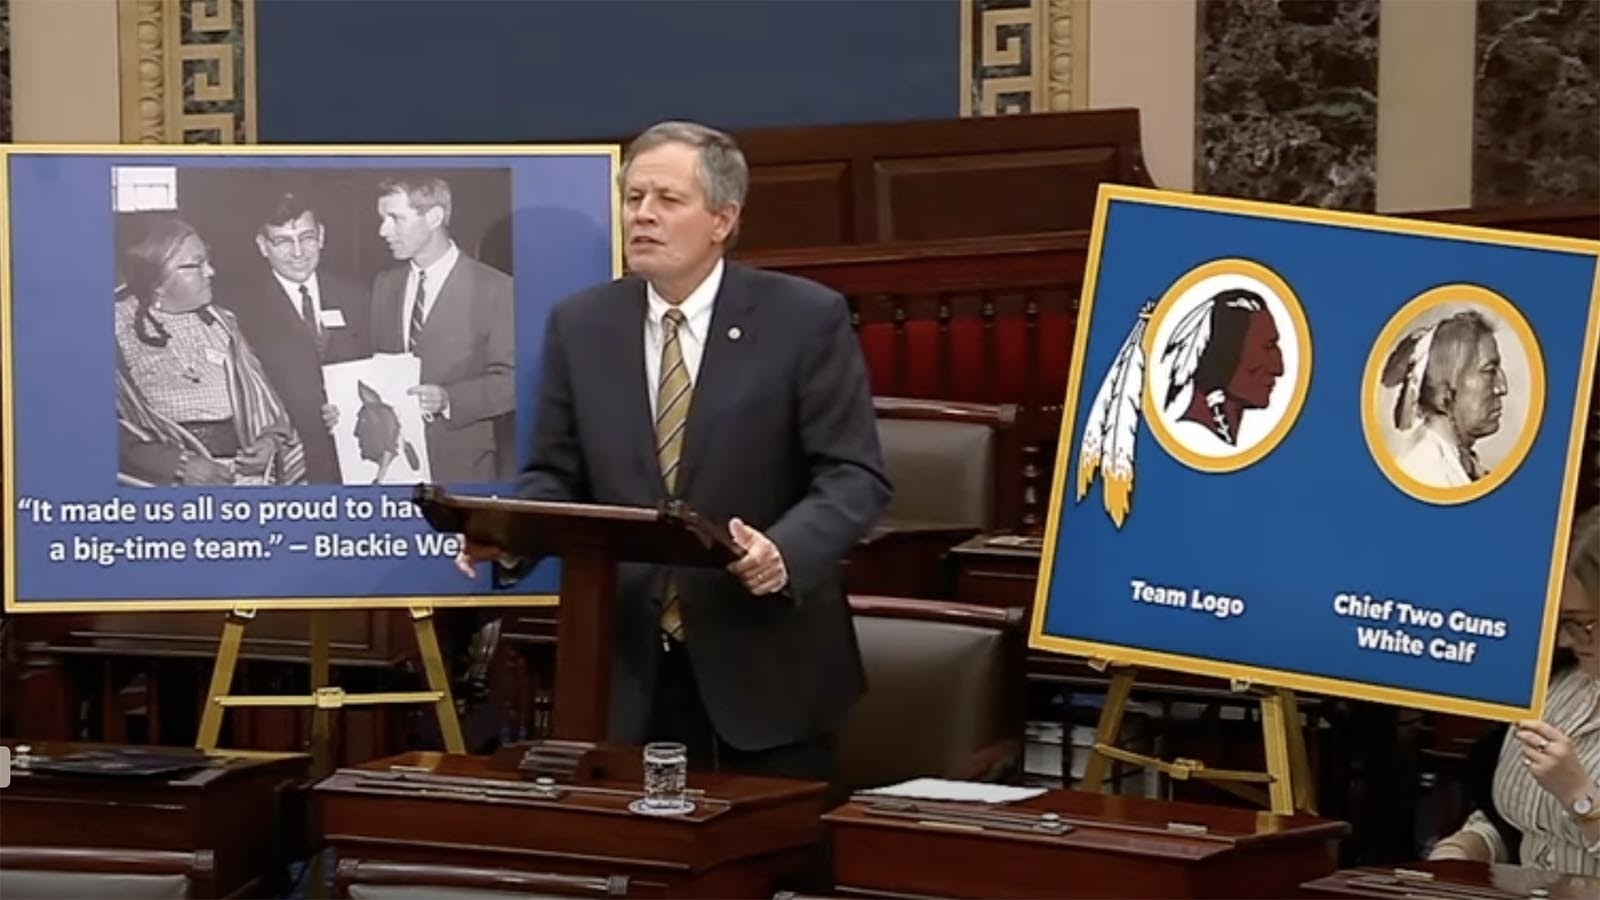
590, 541
440, 822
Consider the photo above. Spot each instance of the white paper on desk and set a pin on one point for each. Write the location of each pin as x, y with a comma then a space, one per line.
964, 791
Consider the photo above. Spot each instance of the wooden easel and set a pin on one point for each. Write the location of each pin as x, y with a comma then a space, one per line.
325, 698
1289, 787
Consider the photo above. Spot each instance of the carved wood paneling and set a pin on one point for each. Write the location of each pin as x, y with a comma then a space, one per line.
1024, 56
188, 71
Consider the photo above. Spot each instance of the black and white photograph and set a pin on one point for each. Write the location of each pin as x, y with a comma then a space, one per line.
314, 325
1454, 401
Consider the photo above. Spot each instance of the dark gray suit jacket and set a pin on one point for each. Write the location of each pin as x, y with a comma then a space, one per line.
781, 433
468, 347
289, 355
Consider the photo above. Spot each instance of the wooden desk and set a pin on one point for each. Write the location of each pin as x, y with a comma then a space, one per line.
905, 559
997, 570
1456, 879
232, 810
746, 839
1113, 847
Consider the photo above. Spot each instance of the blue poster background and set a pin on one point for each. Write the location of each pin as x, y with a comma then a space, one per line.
1317, 517
61, 398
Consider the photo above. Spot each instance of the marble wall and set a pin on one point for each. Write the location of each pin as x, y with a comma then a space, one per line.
5, 70
1287, 101
1536, 116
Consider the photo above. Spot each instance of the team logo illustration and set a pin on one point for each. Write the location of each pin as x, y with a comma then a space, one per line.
1219, 368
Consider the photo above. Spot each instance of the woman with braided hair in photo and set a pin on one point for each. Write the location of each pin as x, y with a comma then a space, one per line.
193, 404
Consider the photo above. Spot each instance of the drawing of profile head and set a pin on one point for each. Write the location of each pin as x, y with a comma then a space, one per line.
1226, 350
377, 432
1450, 393
1230, 363
1218, 369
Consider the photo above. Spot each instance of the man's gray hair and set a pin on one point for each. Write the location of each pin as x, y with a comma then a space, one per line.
724, 174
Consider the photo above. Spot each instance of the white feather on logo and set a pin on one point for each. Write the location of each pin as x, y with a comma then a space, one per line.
1112, 429
1188, 342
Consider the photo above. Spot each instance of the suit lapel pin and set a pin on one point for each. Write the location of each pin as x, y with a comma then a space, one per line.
734, 333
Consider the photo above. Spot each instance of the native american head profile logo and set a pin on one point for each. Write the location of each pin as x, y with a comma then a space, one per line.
1218, 368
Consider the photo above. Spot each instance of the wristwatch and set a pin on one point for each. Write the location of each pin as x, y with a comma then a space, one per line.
1585, 808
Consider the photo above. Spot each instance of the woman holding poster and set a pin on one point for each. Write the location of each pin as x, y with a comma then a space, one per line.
193, 405
1546, 797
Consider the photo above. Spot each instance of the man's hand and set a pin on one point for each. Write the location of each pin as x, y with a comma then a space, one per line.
433, 399
473, 553
761, 568
330, 416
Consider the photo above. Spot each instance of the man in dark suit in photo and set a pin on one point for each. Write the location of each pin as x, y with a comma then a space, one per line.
298, 318
743, 392
455, 313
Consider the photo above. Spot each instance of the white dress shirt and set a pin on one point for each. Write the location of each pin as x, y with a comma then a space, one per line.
437, 273
291, 289
692, 334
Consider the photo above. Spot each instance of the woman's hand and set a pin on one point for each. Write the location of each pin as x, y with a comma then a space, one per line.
1463, 845
254, 459
1552, 761
200, 470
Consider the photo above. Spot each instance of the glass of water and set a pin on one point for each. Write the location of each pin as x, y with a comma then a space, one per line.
666, 774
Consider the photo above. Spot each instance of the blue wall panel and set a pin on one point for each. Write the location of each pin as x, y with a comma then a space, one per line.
497, 70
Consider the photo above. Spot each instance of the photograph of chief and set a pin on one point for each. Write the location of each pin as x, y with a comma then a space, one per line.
1457, 394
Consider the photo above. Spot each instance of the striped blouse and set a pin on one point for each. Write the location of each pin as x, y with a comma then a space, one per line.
1551, 838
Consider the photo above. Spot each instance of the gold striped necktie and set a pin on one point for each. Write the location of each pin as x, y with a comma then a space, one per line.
673, 393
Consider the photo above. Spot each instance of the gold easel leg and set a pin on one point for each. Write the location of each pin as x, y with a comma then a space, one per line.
1094, 772
438, 678
222, 678
1274, 729
1305, 788
321, 677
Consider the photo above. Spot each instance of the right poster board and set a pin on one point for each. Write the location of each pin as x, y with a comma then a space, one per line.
1319, 450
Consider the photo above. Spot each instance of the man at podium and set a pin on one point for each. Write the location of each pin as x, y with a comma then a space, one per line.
742, 392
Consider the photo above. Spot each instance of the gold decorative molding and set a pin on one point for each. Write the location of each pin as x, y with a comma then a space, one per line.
188, 71
1023, 56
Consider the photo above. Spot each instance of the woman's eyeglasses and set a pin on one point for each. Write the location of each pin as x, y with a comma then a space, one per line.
1576, 630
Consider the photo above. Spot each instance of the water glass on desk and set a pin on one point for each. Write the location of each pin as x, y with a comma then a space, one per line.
666, 775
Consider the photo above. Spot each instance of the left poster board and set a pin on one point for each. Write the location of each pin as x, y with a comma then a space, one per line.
218, 392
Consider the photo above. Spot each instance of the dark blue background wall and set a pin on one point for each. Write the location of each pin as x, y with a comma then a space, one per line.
495, 70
